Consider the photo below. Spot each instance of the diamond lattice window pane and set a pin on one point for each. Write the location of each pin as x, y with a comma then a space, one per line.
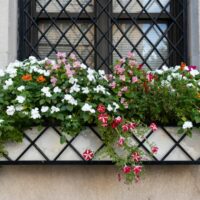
177, 155
135, 6
67, 37
162, 141
69, 154
49, 143
68, 5
87, 139
152, 46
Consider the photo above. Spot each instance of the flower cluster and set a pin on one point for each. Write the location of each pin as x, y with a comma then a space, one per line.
167, 96
117, 133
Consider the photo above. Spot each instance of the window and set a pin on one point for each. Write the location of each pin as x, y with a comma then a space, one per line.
100, 31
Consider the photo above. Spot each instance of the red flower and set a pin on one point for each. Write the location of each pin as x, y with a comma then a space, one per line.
132, 125
125, 127
104, 125
140, 66
136, 157
116, 122
137, 169
154, 149
150, 77
88, 154
103, 118
126, 169
153, 126
121, 141
101, 108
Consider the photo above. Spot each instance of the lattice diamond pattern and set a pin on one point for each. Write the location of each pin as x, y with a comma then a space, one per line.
44, 147
153, 29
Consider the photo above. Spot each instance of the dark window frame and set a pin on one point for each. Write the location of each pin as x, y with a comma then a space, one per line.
103, 47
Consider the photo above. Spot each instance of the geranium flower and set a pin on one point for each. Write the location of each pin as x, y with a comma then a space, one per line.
27, 77
101, 108
10, 110
88, 154
125, 127
154, 149
126, 169
136, 157
134, 79
150, 77
132, 125
153, 126
121, 141
103, 117
41, 79
137, 169
187, 125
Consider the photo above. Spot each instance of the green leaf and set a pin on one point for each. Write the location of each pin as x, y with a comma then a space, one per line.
62, 139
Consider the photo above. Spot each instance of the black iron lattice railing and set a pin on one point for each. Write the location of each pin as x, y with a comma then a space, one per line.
35, 149
99, 31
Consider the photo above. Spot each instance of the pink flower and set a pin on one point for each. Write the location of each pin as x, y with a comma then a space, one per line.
122, 60
119, 94
130, 54
154, 150
190, 68
126, 169
72, 56
122, 77
125, 127
134, 79
122, 100
153, 126
125, 104
132, 125
121, 141
61, 55
130, 72
132, 63
88, 154
136, 157
101, 108
150, 77
55, 67
104, 125
137, 169
124, 89
69, 72
103, 118
113, 85
53, 80
119, 69
76, 64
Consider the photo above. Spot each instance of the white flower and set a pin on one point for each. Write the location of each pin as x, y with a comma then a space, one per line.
165, 83
116, 106
73, 80
46, 91
2, 73
19, 108
90, 75
169, 78
165, 68
187, 125
20, 99
83, 66
87, 108
21, 88
57, 90
199, 83
75, 88
70, 99
35, 113
54, 109
11, 70
8, 83
194, 72
44, 109
46, 73
159, 71
10, 110
100, 88
190, 85
85, 90
109, 107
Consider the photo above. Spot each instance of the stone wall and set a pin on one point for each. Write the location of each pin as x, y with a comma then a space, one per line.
93, 182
